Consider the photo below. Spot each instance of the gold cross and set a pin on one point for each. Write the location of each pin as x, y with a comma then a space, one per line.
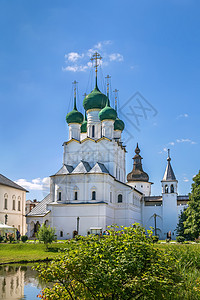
115, 91
96, 57
108, 77
74, 83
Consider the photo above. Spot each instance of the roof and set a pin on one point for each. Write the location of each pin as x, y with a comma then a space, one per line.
169, 173
5, 181
66, 169
99, 168
83, 167
41, 208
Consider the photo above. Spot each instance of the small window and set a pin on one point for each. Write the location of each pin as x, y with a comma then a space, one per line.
172, 188
75, 195
61, 233
166, 189
141, 186
59, 196
13, 204
93, 195
120, 198
5, 203
19, 205
93, 130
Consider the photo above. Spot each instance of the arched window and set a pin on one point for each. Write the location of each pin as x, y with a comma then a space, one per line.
13, 202
6, 201
61, 233
93, 130
166, 189
93, 195
172, 188
110, 197
19, 203
75, 195
59, 196
119, 200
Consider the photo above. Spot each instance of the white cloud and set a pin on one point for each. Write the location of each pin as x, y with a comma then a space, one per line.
185, 141
36, 184
183, 116
116, 57
78, 62
73, 56
185, 179
172, 143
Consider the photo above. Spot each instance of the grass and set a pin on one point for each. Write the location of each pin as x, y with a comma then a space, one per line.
28, 252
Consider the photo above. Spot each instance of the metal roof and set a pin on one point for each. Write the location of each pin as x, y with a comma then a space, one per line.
5, 181
41, 208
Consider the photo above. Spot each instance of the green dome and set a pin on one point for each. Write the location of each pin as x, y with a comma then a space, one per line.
84, 125
119, 124
108, 113
95, 100
74, 116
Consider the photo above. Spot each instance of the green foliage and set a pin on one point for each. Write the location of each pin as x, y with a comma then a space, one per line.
155, 238
192, 222
1, 238
24, 238
46, 234
180, 229
122, 265
180, 239
11, 237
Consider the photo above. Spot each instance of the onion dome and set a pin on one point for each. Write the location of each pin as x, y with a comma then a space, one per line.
107, 113
119, 124
137, 174
74, 116
95, 99
84, 125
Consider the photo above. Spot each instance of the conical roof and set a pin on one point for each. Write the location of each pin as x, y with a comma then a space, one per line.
169, 173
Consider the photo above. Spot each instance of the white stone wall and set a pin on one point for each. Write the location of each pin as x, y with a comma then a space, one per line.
16, 218
143, 187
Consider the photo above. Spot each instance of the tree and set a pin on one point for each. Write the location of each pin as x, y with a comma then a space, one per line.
121, 265
46, 235
192, 223
180, 229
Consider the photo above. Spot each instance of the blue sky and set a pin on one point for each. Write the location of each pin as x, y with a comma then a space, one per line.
150, 47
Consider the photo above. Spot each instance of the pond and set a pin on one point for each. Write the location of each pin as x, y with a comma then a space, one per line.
19, 282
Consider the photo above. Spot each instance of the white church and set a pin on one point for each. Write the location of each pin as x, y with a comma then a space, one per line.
91, 190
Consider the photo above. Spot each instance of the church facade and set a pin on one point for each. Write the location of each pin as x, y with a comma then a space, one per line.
91, 190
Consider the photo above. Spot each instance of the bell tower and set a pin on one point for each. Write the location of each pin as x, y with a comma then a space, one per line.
169, 199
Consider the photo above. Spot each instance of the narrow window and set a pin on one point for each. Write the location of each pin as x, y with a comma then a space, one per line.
13, 204
120, 198
110, 197
93, 195
166, 189
172, 188
5, 203
75, 195
59, 196
19, 205
93, 128
61, 233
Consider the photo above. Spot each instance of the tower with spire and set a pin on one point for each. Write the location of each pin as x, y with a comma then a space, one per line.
169, 199
137, 178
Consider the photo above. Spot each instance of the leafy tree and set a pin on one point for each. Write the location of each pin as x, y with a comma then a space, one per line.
192, 223
180, 229
121, 265
46, 235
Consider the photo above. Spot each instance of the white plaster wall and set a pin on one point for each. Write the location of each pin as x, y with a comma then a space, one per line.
74, 131
108, 128
15, 218
143, 187
93, 119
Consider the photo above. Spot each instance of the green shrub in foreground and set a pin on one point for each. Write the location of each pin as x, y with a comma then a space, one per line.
180, 239
24, 238
123, 265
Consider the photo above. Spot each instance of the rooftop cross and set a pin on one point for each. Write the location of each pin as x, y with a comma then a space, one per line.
96, 57
168, 155
74, 83
107, 84
116, 91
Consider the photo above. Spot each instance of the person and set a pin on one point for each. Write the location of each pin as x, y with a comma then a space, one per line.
104, 233
18, 235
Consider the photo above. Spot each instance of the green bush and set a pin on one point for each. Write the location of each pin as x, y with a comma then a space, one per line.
11, 237
46, 235
1, 238
123, 265
180, 239
155, 238
24, 238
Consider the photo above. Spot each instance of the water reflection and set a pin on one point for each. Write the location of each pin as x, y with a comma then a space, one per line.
19, 282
